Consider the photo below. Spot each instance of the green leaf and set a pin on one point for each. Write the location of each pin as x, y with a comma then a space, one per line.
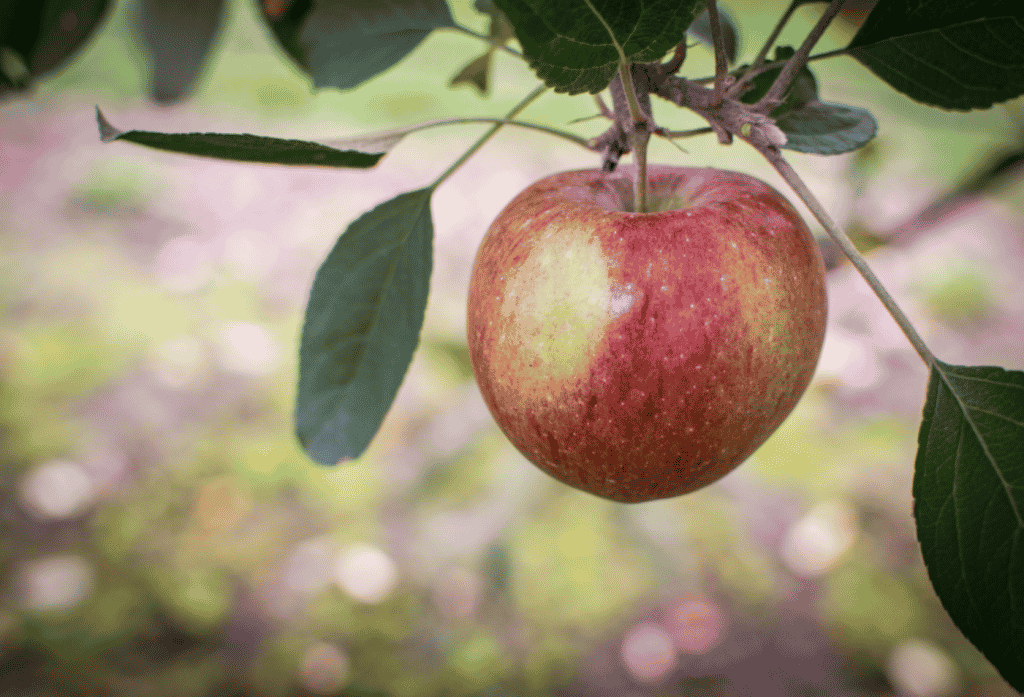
823, 128
812, 126
701, 30
342, 43
969, 505
362, 325
176, 37
242, 147
38, 37
477, 72
573, 45
954, 55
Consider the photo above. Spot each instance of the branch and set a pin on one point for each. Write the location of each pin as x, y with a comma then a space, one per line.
721, 64
483, 37
749, 75
726, 117
399, 132
529, 99
789, 71
765, 67
683, 134
678, 57
779, 26
793, 179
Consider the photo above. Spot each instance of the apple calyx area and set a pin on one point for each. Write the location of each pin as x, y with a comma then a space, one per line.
640, 356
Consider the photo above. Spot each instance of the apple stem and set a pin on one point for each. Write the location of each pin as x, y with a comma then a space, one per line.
853, 254
640, 140
637, 129
529, 99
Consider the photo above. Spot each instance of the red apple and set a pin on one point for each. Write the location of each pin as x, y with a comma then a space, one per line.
640, 356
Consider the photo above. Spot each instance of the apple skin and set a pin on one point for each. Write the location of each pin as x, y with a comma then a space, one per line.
640, 356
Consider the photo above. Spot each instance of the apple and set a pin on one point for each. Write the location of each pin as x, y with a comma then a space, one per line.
640, 356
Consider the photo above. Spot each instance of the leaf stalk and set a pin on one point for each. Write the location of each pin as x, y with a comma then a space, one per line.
529, 99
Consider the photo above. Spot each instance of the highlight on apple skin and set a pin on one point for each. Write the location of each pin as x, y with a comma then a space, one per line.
640, 356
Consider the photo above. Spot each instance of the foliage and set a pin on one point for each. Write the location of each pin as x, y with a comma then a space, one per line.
968, 478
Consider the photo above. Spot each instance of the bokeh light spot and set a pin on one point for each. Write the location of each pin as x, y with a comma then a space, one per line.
648, 653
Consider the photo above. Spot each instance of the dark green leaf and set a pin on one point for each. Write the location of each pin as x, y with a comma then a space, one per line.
812, 126
955, 55
342, 43
176, 37
701, 30
969, 506
362, 326
38, 37
571, 44
474, 73
242, 147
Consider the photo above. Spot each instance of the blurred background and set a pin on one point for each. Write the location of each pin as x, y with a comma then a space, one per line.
163, 534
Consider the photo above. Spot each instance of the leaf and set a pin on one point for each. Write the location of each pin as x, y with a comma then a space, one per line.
810, 125
572, 44
701, 30
362, 325
477, 71
500, 30
969, 505
823, 128
177, 37
242, 147
342, 43
38, 37
954, 55
474, 73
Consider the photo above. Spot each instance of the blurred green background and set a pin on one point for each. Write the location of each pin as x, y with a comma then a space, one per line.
163, 534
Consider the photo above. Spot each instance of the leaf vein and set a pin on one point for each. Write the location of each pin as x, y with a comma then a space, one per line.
984, 446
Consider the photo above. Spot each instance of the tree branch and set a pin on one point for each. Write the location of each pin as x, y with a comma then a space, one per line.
483, 37
792, 67
721, 63
793, 179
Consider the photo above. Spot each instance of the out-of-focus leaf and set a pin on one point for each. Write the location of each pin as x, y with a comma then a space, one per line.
362, 326
176, 35
810, 125
342, 43
701, 30
573, 45
1000, 168
500, 30
38, 37
969, 505
475, 73
954, 55
242, 147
